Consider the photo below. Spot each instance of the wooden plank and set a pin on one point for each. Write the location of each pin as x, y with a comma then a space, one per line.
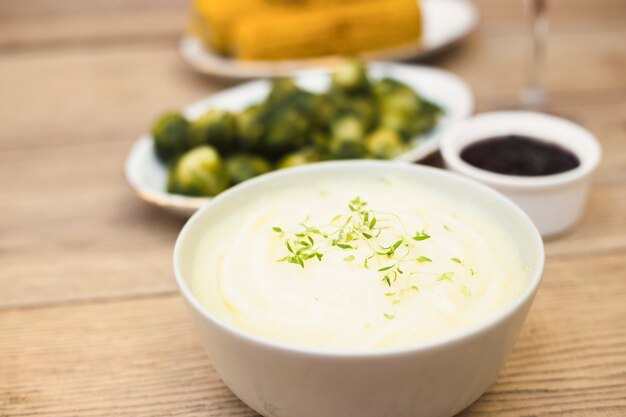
79, 232
571, 357
129, 358
141, 357
94, 30
82, 96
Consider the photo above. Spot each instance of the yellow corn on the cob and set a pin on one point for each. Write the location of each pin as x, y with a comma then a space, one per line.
214, 20
316, 31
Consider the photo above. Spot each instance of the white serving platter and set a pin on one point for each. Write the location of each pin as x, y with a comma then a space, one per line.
147, 176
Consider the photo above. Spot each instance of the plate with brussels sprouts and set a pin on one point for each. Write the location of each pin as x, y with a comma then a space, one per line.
382, 111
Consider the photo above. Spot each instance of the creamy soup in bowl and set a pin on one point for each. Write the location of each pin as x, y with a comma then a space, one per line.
351, 263
319, 288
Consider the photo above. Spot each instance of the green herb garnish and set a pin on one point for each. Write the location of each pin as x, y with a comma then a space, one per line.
419, 236
446, 276
358, 228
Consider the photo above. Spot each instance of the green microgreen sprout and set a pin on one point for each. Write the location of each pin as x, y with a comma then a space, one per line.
446, 276
465, 291
357, 228
419, 236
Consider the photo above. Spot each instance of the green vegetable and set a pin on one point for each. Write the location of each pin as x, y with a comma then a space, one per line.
351, 77
347, 138
242, 167
384, 143
282, 89
170, 135
428, 117
199, 172
348, 128
285, 92
347, 149
216, 128
399, 106
250, 128
304, 156
335, 105
355, 118
287, 129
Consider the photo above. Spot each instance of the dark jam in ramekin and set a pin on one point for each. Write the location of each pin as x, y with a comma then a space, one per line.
519, 155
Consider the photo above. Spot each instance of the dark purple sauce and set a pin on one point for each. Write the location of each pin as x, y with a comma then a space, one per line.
519, 155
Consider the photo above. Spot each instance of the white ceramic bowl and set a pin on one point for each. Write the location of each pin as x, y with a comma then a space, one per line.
555, 203
432, 379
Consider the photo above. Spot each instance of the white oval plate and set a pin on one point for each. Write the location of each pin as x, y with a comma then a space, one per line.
148, 176
445, 23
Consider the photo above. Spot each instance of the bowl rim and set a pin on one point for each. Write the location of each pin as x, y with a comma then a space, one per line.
293, 349
589, 161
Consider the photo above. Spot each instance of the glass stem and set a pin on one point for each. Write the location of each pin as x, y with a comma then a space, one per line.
533, 95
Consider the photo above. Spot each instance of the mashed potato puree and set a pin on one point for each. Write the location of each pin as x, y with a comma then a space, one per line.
452, 269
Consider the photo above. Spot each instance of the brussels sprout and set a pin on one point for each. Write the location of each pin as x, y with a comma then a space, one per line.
301, 157
286, 93
307, 103
399, 106
216, 128
321, 142
199, 172
365, 109
286, 129
427, 118
170, 135
242, 167
331, 106
250, 128
347, 138
282, 89
348, 127
384, 143
351, 77
327, 109
347, 149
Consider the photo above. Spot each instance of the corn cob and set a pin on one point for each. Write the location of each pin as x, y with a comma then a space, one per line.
213, 20
315, 31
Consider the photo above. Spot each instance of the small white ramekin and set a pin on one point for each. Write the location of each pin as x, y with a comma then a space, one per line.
555, 203
436, 379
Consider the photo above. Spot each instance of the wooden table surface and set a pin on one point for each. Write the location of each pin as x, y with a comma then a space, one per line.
90, 320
